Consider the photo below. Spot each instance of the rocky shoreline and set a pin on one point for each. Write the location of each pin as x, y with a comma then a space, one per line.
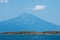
46, 32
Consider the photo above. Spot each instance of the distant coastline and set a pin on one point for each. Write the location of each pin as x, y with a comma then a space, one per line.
46, 32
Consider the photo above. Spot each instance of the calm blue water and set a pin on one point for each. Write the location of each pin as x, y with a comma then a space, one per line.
29, 37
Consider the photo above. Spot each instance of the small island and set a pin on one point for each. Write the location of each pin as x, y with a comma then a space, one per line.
46, 32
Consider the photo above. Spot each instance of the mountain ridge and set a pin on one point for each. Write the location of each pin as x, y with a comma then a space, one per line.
27, 21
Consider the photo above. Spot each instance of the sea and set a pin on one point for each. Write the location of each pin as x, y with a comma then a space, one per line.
29, 37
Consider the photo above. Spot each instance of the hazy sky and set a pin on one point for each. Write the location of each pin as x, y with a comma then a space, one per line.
48, 10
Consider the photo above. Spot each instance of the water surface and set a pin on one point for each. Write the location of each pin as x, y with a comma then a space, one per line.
28, 37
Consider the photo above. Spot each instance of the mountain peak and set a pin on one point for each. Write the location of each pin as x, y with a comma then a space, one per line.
26, 16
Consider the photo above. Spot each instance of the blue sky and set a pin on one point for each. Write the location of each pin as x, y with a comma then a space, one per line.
48, 10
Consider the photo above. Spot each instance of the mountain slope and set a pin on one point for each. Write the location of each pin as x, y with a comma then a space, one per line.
27, 22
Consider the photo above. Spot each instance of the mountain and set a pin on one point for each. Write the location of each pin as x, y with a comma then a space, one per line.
27, 22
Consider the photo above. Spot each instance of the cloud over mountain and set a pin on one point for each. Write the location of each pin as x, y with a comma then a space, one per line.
39, 7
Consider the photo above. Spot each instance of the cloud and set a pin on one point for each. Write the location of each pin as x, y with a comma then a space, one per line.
39, 7
3, 1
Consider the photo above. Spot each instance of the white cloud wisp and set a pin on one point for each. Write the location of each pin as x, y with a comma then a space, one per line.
39, 7
3, 1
